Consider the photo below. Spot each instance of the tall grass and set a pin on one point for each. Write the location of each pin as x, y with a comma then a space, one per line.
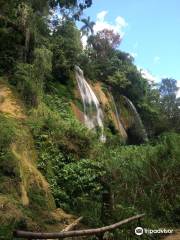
146, 178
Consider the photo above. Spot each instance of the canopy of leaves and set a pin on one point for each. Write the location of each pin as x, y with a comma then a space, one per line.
66, 49
170, 105
71, 9
87, 27
104, 42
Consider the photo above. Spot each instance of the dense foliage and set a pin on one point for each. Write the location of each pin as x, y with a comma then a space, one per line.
102, 182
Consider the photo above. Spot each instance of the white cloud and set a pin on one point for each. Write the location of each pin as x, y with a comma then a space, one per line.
156, 59
147, 75
134, 54
101, 23
120, 22
101, 16
118, 25
178, 93
84, 41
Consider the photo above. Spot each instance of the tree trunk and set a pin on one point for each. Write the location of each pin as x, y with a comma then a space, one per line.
108, 204
77, 233
27, 43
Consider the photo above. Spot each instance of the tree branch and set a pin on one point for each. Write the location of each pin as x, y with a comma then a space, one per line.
88, 232
72, 225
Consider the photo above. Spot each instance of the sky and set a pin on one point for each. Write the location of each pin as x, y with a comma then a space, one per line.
150, 31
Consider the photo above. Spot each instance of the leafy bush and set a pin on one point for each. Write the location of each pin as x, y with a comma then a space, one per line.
145, 177
9, 43
26, 83
8, 165
30, 78
66, 48
61, 159
8, 128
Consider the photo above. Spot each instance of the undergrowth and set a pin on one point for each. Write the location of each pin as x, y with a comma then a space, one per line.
80, 170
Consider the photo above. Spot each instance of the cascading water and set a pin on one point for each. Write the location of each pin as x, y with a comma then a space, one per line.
138, 122
121, 128
93, 115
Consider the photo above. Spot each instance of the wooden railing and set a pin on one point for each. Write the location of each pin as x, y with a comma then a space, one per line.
65, 234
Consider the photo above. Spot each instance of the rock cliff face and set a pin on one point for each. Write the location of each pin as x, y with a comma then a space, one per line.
118, 112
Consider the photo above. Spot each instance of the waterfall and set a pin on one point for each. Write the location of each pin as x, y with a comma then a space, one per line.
93, 114
138, 122
121, 128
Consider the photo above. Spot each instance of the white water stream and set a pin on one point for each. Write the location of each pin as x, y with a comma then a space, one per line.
138, 120
93, 114
121, 128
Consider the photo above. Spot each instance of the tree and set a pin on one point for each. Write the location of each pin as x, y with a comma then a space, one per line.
104, 42
170, 105
150, 110
168, 87
118, 79
66, 49
113, 39
71, 9
87, 27
40, 6
23, 25
71, 3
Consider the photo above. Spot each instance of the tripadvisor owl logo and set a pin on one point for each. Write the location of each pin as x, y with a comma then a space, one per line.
139, 231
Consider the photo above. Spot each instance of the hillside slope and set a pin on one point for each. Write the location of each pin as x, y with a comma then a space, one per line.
25, 196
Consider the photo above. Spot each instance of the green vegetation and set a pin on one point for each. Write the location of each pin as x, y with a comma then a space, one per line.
8, 165
147, 176
103, 182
